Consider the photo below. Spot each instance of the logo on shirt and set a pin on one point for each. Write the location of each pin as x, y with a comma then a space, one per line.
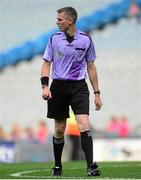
79, 52
59, 54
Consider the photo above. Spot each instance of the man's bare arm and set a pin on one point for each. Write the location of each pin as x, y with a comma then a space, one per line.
92, 72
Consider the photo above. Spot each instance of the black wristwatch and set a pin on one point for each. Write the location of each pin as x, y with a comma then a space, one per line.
43, 86
97, 92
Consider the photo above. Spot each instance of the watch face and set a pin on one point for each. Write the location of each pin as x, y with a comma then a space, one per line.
97, 92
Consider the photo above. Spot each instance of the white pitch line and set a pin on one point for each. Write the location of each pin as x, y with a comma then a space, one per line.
22, 174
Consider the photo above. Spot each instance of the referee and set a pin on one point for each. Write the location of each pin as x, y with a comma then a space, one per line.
72, 55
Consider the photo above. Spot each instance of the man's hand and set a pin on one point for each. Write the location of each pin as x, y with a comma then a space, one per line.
98, 102
46, 93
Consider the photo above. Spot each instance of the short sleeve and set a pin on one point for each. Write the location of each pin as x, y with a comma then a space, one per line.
48, 54
91, 54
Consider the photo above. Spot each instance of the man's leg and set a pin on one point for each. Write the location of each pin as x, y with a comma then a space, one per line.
87, 144
58, 144
86, 138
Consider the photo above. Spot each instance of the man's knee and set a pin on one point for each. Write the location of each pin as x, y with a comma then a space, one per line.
60, 129
83, 122
83, 127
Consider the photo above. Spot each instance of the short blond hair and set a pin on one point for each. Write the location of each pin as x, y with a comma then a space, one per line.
69, 11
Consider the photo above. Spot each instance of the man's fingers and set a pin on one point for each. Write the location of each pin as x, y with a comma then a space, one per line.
46, 97
98, 106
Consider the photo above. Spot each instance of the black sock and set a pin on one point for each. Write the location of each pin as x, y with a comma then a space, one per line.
58, 144
87, 146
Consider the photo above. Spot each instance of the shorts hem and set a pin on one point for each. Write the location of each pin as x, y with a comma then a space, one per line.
57, 118
77, 113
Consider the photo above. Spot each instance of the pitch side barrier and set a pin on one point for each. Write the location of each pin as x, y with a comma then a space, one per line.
105, 149
7, 151
25, 151
96, 20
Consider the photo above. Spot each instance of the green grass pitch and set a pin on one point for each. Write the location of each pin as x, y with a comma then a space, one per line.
71, 170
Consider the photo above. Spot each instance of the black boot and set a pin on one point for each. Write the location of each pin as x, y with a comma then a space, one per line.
93, 170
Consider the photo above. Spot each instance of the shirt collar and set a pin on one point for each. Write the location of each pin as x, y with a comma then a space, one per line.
63, 36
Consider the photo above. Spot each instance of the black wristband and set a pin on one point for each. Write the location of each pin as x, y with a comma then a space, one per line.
97, 92
44, 80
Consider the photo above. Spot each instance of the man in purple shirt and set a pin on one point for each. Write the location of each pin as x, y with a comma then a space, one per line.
72, 55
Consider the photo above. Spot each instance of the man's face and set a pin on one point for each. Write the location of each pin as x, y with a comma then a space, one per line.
63, 22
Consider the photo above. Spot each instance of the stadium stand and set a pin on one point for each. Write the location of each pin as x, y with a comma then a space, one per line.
98, 19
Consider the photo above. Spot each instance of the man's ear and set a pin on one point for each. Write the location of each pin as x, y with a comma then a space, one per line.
70, 21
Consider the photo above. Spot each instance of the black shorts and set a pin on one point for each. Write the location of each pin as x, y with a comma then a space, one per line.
65, 94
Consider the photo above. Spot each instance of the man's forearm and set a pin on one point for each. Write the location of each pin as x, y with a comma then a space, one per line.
92, 72
45, 69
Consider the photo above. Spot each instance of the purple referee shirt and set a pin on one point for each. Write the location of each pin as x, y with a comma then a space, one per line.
69, 60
